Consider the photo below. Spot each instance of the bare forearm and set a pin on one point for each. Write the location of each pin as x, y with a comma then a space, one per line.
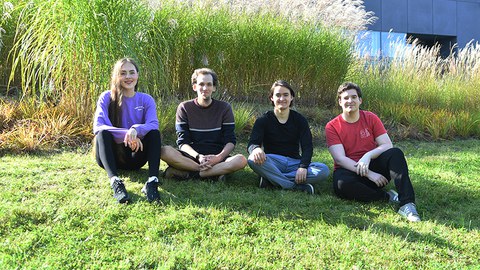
188, 149
374, 153
347, 163
227, 149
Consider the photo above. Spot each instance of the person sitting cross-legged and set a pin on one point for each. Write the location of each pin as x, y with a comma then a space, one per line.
205, 135
274, 145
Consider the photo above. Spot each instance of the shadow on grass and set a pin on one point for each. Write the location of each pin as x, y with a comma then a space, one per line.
444, 202
241, 194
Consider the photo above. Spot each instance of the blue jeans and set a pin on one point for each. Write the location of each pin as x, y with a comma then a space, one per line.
281, 170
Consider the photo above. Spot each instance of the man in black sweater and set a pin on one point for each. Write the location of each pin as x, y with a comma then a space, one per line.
274, 145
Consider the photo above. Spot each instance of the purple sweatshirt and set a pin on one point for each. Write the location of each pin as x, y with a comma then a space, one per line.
138, 111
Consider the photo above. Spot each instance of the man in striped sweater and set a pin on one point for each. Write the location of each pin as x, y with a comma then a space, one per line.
205, 134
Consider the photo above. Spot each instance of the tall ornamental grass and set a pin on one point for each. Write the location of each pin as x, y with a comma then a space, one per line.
6, 40
61, 52
345, 14
250, 51
424, 94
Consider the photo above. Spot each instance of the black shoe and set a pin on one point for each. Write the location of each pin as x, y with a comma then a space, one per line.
150, 189
307, 188
264, 183
119, 191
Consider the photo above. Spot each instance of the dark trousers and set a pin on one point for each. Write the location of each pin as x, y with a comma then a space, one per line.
391, 164
112, 156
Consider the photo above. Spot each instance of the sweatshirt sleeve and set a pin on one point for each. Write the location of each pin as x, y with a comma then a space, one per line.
181, 125
150, 116
305, 143
228, 126
102, 122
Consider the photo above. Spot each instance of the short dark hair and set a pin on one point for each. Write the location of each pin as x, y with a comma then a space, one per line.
281, 83
204, 71
348, 86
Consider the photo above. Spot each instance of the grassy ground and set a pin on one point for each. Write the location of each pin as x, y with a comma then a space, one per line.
57, 212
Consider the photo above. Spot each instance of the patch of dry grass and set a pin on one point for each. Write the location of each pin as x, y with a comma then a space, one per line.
26, 127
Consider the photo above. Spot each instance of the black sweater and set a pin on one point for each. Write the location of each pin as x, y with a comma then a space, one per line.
284, 139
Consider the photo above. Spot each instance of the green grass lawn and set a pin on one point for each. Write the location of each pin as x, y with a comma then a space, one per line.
57, 212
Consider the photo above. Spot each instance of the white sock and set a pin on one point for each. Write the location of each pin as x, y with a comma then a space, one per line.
152, 179
113, 178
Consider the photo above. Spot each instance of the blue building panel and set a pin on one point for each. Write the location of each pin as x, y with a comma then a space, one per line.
376, 7
468, 22
420, 16
443, 21
394, 15
445, 17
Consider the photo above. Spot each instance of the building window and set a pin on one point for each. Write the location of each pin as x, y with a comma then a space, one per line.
379, 44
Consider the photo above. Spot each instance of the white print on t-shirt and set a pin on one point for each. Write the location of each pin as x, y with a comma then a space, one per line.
364, 133
139, 108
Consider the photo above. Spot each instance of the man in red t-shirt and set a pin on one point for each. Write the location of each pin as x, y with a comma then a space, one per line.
365, 159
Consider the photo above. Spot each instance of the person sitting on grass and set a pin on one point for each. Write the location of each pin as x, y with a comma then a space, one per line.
274, 145
126, 131
365, 159
205, 135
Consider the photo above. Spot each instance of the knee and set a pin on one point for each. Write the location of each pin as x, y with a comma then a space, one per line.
154, 134
103, 136
241, 161
343, 188
103, 133
251, 163
320, 170
167, 151
397, 152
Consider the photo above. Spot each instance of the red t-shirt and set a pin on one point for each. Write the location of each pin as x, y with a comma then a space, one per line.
357, 138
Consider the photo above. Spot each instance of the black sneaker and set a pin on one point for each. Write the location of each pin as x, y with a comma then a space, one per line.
264, 183
119, 191
307, 188
150, 189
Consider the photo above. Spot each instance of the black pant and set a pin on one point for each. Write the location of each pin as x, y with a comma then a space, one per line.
391, 164
110, 155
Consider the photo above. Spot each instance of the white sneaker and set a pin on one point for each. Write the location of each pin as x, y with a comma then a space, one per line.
410, 212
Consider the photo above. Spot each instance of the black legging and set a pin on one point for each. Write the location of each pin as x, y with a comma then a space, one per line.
391, 164
110, 155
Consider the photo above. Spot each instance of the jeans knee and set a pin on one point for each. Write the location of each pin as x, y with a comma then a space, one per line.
320, 170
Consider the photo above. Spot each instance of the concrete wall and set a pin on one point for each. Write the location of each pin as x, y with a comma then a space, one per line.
460, 18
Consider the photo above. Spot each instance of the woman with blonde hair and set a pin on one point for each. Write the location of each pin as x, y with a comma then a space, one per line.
126, 131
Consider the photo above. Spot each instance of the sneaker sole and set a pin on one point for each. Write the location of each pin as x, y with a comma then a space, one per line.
312, 190
124, 200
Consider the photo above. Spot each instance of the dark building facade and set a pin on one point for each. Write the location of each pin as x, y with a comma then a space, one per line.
446, 22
